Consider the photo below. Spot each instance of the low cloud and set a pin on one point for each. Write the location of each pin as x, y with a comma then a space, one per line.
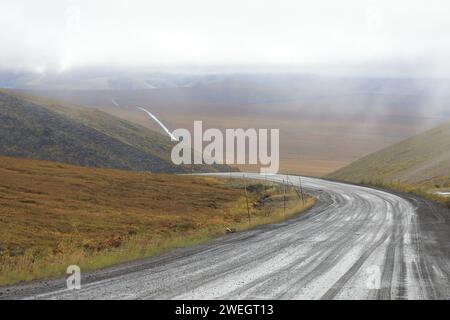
320, 36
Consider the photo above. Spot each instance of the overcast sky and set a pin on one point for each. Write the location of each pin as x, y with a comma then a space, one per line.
408, 36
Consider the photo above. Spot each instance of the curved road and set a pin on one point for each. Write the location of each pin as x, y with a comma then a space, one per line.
356, 243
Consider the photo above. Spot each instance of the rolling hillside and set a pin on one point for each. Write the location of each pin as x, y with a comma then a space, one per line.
423, 160
42, 129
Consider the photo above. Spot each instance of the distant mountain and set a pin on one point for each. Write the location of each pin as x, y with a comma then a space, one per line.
237, 89
421, 160
97, 79
43, 129
268, 94
325, 122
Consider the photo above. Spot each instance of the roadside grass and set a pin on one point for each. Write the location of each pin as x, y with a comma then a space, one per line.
423, 192
267, 203
54, 215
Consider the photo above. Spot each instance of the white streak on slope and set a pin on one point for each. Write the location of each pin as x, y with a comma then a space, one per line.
172, 137
114, 102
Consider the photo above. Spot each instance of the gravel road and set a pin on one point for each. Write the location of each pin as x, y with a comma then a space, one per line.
356, 243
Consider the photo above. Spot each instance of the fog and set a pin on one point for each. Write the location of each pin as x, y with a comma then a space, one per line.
357, 37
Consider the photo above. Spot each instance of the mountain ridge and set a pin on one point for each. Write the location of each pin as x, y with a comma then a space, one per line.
35, 129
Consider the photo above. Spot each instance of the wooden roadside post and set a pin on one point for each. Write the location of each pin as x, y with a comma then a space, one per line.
246, 199
297, 192
284, 198
264, 184
301, 189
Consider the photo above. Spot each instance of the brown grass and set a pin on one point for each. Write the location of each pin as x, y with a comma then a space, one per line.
53, 215
412, 189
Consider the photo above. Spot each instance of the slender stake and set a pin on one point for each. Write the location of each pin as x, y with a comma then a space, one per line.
265, 184
284, 198
301, 189
297, 192
246, 200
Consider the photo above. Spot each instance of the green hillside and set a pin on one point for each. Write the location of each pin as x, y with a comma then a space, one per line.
50, 130
423, 160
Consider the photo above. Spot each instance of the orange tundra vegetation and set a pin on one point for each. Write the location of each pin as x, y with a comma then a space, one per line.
53, 215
